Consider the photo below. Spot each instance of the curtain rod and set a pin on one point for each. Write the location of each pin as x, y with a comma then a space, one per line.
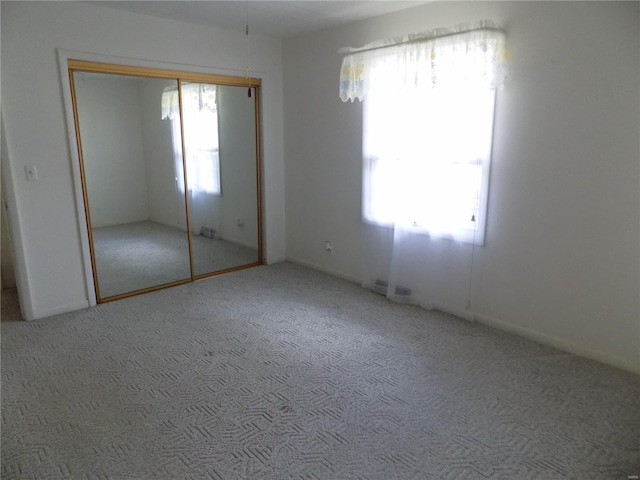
408, 41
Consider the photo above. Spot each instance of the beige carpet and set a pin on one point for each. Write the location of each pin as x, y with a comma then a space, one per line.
282, 372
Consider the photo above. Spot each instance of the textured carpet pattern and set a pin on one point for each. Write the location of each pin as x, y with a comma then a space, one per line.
281, 373
140, 255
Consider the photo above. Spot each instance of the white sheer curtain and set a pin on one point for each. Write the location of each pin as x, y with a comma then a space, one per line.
200, 117
428, 121
474, 53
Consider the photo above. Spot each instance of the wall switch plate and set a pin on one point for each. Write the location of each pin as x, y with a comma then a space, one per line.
31, 172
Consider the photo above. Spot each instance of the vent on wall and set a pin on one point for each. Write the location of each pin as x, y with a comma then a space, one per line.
382, 286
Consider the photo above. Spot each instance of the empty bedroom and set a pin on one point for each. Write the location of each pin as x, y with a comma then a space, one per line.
320, 240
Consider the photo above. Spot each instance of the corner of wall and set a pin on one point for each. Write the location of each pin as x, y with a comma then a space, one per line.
15, 231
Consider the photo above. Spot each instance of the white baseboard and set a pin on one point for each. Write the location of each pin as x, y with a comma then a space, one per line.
560, 344
456, 312
543, 338
330, 271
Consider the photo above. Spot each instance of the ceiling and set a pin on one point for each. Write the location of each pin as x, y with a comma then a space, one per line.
277, 19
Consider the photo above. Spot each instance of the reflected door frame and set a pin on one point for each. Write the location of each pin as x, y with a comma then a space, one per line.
81, 61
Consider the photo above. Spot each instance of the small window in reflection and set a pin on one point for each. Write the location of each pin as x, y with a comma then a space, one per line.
200, 117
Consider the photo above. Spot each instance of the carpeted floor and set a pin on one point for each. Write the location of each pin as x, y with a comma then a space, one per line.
281, 372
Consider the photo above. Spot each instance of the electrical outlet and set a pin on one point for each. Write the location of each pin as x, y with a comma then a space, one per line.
328, 246
31, 172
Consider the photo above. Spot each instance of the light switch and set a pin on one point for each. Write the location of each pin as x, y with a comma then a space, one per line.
31, 172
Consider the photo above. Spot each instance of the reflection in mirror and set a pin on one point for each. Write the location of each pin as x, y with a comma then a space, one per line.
170, 170
132, 187
220, 153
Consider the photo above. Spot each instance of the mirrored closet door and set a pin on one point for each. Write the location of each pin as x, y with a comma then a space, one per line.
170, 169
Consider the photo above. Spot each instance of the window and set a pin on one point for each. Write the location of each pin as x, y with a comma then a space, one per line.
426, 158
428, 123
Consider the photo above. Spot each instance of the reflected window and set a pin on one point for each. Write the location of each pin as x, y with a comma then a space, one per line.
200, 117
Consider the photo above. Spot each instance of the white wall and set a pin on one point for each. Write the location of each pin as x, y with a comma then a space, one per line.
561, 260
111, 133
49, 262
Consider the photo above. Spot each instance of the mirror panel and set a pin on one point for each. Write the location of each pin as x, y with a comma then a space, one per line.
156, 219
136, 210
220, 149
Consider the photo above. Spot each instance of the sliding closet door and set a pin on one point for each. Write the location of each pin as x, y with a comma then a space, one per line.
131, 158
170, 171
222, 176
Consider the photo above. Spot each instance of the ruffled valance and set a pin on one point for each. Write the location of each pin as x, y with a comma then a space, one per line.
195, 97
464, 53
